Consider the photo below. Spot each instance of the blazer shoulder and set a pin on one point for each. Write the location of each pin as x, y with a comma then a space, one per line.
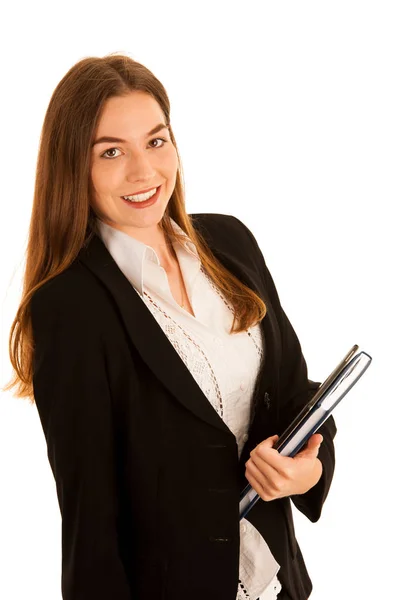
229, 231
219, 227
210, 221
71, 292
230, 235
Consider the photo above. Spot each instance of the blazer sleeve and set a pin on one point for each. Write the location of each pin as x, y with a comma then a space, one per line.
73, 400
295, 390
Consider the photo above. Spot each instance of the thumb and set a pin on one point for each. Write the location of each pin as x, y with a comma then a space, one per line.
319, 437
315, 442
313, 445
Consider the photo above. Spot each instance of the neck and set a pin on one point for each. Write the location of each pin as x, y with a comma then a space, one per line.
154, 237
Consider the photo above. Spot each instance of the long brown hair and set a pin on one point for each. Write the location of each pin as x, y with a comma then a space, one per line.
62, 220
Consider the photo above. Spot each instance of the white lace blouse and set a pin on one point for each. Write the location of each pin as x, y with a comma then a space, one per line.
224, 366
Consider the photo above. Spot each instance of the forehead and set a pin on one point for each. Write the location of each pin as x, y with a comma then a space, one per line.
134, 114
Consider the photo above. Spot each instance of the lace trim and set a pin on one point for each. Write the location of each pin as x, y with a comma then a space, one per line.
183, 355
257, 342
188, 349
242, 593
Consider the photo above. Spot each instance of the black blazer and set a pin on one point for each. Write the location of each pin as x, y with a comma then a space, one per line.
147, 474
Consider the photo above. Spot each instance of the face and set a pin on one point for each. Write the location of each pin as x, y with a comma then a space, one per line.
138, 161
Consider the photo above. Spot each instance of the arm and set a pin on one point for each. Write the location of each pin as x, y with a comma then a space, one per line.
73, 400
295, 390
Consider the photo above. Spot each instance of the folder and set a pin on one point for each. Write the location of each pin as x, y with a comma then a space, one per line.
314, 414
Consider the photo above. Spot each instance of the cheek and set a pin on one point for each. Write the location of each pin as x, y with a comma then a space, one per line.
105, 178
174, 159
170, 167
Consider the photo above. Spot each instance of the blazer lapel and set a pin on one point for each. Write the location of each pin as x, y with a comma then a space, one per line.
152, 343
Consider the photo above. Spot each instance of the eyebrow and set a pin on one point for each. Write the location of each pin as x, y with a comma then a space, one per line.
108, 138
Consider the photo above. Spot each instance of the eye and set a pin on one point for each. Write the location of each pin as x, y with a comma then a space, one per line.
162, 139
104, 155
109, 150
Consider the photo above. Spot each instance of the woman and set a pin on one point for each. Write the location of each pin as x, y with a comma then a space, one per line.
161, 362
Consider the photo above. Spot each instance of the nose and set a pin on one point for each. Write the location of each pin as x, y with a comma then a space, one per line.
140, 168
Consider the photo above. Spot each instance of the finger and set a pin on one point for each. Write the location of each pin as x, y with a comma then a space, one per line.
272, 457
256, 479
263, 466
255, 484
267, 443
270, 441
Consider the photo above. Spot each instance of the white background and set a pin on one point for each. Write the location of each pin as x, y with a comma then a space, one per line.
286, 115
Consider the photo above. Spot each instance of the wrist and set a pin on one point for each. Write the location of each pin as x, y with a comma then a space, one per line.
315, 476
318, 471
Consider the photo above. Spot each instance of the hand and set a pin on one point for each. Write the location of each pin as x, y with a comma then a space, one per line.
274, 476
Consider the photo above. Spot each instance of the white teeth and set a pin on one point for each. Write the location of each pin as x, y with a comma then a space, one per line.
141, 197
